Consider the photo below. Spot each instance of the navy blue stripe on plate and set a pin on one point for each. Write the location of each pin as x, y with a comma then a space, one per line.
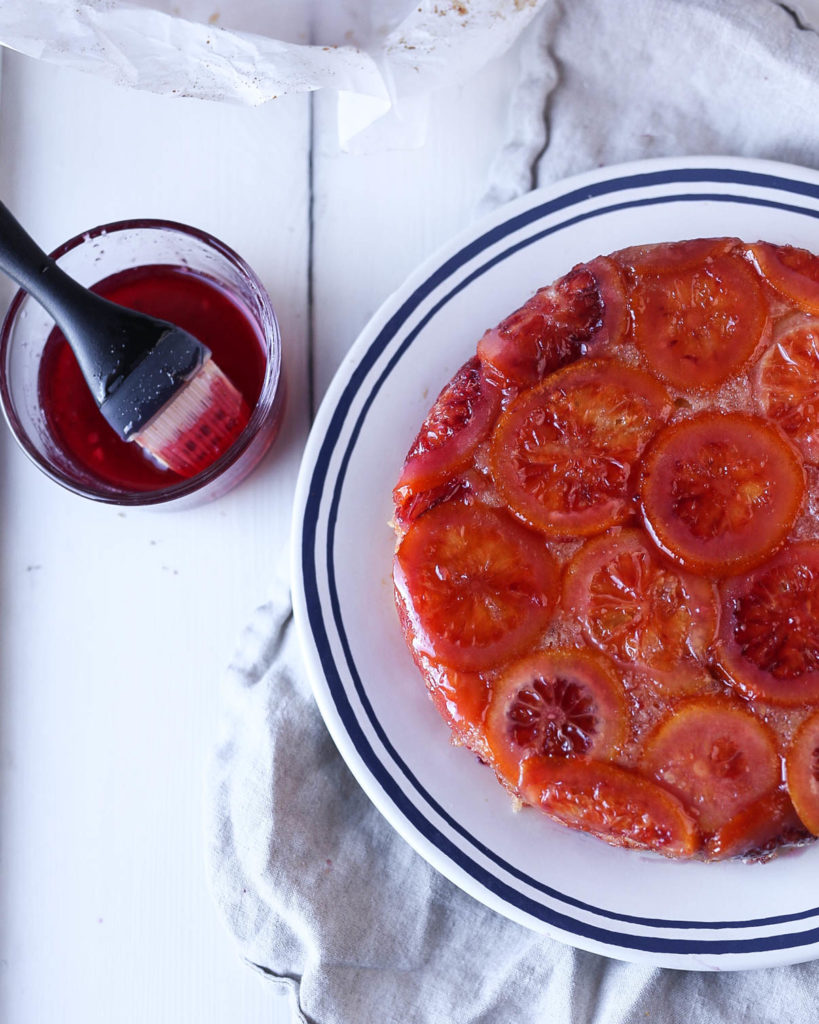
312, 557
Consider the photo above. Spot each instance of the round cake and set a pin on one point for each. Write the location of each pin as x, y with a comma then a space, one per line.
607, 558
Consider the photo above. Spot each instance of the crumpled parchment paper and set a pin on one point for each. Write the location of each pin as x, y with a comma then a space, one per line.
383, 57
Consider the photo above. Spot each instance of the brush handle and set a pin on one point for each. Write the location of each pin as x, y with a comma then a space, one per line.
107, 339
24, 261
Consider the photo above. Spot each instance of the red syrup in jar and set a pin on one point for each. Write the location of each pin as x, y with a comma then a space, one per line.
196, 303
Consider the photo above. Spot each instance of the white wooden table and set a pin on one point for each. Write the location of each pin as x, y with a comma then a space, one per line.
116, 626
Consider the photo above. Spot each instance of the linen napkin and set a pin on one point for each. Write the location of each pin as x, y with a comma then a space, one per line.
319, 892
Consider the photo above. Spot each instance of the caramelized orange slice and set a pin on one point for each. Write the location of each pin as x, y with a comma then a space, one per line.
612, 803
802, 773
562, 453
720, 491
557, 704
769, 634
476, 587
716, 756
637, 607
582, 311
698, 324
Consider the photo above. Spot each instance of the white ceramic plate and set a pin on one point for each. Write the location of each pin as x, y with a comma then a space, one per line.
450, 808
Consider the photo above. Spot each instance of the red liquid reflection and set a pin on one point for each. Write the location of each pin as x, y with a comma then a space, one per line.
195, 303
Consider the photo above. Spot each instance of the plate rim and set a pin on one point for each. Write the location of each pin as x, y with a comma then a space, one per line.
678, 953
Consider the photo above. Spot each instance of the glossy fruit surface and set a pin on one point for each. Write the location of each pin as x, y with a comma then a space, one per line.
581, 311
716, 756
463, 415
697, 325
802, 767
636, 606
411, 503
769, 635
670, 257
560, 703
792, 271
461, 698
563, 453
612, 803
477, 586
756, 829
720, 491
787, 385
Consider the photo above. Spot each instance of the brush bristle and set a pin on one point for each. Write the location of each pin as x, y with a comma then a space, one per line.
198, 425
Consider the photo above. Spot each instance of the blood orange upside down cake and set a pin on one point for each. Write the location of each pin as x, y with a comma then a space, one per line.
607, 560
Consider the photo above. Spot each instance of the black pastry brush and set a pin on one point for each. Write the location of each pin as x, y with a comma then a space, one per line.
153, 382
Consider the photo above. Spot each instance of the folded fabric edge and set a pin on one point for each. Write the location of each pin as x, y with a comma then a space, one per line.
291, 985
513, 170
